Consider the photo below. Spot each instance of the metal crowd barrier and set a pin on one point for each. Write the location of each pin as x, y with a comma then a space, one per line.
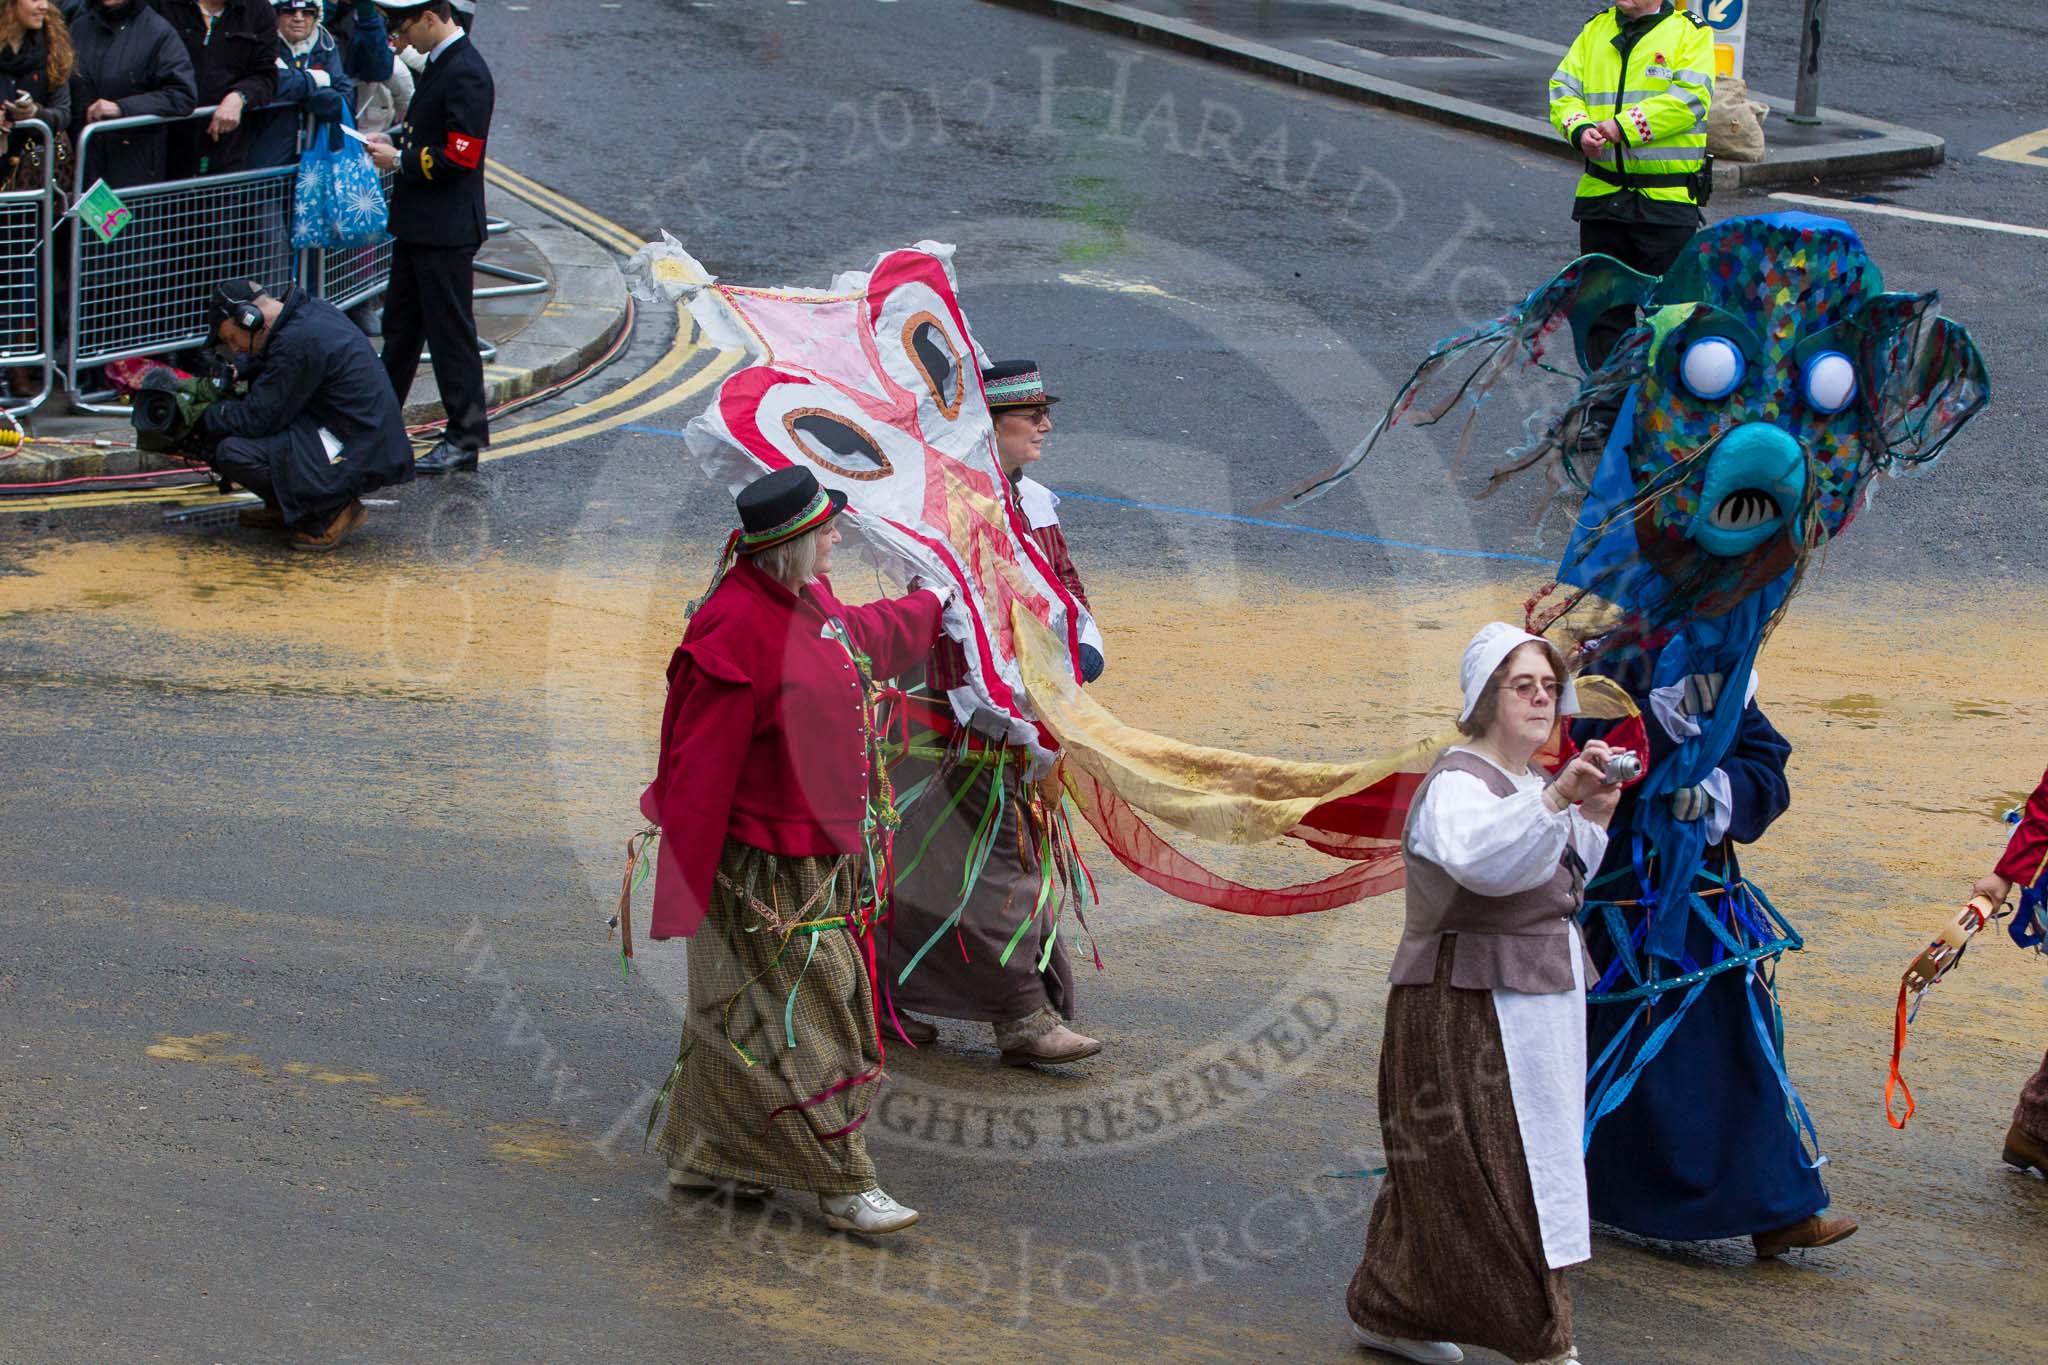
26, 299
144, 293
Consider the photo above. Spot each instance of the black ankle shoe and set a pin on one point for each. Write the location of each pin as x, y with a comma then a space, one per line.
445, 458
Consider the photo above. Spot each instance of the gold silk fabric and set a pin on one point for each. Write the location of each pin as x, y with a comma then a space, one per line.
1216, 794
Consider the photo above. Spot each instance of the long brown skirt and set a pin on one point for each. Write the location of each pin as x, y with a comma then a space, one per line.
742, 972
2031, 1117
1453, 1251
963, 976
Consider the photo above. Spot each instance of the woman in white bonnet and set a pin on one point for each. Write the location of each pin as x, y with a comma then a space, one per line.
1483, 1066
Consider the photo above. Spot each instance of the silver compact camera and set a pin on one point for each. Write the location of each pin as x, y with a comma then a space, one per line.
1623, 766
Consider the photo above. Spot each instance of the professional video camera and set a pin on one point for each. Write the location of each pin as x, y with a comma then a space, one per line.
167, 405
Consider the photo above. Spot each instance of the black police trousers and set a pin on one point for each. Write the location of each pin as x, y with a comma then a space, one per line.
1648, 247
431, 302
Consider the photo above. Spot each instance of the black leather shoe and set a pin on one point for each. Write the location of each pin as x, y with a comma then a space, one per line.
444, 459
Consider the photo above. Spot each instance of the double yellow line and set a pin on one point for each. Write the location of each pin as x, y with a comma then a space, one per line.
578, 423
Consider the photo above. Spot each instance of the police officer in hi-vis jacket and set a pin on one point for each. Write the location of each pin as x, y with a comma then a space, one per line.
1632, 95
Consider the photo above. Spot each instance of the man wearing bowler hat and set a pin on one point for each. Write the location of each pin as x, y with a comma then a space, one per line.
437, 219
986, 976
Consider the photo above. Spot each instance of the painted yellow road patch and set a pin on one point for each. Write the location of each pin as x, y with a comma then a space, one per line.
204, 1049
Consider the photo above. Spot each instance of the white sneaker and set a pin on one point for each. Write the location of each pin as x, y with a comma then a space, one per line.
871, 1211
699, 1183
1408, 1348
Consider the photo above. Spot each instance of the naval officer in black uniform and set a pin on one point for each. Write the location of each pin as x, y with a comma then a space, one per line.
437, 219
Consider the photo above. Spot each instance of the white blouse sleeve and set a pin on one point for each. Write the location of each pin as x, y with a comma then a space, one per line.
1589, 841
1495, 846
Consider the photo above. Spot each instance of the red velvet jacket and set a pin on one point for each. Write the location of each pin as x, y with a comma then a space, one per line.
2027, 853
762, 739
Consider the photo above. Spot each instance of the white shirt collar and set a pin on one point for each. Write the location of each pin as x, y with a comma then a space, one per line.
444, 45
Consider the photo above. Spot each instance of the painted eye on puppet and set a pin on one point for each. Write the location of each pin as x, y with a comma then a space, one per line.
1829, 381
1712, 367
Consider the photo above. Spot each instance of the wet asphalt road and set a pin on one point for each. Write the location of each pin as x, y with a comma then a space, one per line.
312, 1048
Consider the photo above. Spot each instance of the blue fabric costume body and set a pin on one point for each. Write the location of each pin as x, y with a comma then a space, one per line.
1769, 381
1705, 1143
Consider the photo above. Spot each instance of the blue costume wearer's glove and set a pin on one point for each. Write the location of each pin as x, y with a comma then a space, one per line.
1091, 663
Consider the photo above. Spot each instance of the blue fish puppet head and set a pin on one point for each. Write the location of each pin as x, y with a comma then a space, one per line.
1769, 380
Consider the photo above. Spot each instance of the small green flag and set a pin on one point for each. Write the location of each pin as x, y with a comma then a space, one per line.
102, 210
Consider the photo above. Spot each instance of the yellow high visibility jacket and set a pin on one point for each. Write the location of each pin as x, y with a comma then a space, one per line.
1658, 90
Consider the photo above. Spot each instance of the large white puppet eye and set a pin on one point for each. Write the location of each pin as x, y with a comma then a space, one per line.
1711, 367
1830, 381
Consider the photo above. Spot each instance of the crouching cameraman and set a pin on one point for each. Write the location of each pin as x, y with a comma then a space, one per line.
320, 426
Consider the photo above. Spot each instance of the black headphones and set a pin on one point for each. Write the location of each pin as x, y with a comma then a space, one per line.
246, 316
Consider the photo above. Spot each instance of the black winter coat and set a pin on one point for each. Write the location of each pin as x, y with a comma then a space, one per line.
133, 58
439, 198
317, 370
238, 56
276, 141
28, 70
365, 45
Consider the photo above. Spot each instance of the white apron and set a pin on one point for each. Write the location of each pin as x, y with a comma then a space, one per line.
1544, 1037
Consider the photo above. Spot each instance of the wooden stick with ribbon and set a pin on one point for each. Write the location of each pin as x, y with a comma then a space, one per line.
622, 918
1935, 961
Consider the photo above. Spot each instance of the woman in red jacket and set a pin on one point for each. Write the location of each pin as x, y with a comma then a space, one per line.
2025, 865
765, 795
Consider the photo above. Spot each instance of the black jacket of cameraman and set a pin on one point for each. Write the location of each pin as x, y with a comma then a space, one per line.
316, 371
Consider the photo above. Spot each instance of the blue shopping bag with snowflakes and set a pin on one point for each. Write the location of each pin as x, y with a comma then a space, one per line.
339, 200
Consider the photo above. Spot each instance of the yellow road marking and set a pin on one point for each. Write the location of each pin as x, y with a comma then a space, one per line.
64, 502
541, 196
2025, 149
720, 365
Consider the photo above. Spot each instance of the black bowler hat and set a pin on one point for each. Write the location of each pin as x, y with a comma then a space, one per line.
1014, 384
782, 506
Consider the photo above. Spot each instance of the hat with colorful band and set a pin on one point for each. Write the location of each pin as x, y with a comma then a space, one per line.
1015, 384
782, 506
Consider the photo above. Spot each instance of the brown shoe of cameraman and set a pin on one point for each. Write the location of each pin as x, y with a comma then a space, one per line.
1814, 1230
262, 516
344, 525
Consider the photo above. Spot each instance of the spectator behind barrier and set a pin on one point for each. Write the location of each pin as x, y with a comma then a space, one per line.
35, 83
359, 31
381, 104
233, 47
320, 426
129, 63
310, 79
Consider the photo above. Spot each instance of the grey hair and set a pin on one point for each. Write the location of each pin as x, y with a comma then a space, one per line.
793, 563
